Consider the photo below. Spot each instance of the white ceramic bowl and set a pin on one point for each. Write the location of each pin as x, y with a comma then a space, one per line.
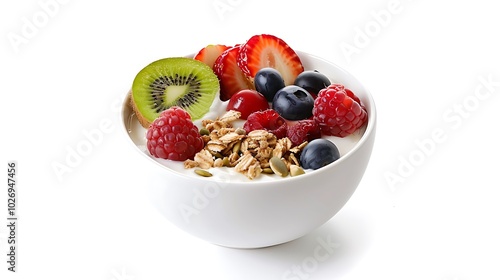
258, 214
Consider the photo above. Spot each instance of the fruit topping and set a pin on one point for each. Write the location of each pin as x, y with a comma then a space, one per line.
312, 81
268, 81
247, 101
354, 97
231, 78
168, 94
337, 113
293, 103
318, 153
268, 120
210, 53
176, 81
265, 50
304, 130
174, 136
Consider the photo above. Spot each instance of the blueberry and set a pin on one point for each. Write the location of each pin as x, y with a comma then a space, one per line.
312, 81
293, 103
268, 81
318, 153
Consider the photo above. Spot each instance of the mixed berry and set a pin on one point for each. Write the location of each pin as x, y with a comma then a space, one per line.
265, 81
338, 111
313, 81
318, 153
268, 120
293, 103
247, 101
173, 136
268, 81
302, 131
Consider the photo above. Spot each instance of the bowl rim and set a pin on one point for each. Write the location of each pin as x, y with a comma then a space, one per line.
370, 129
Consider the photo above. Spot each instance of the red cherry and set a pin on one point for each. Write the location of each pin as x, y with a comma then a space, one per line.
247, 101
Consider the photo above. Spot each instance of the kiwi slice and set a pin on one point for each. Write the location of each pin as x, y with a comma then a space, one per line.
175, 81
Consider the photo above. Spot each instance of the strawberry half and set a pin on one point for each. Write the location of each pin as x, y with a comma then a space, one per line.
269, 51
231, 78
210, 53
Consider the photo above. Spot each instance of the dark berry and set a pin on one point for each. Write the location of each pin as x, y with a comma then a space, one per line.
247, 101
268, 120
312, 81
268, 81
293, 103
318, 153
304, 130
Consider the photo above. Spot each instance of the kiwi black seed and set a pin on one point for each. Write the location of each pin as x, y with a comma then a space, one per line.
175, 81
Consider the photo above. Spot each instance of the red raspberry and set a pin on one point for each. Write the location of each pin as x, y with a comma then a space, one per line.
174, 136
353, 96
337, 113
268, 120
303, 130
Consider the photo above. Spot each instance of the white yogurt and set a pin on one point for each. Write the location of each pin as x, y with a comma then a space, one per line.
218, 108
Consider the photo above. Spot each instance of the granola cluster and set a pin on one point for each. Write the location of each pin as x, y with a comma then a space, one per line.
248, 153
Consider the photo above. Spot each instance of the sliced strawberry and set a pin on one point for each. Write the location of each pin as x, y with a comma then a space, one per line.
230, 76
269, 51
209, 54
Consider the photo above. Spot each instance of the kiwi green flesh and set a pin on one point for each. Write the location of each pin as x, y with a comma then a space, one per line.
176, 81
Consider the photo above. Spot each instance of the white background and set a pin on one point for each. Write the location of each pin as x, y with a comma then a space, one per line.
67, 74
